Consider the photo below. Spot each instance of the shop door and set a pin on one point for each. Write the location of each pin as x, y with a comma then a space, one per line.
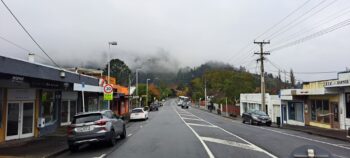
284, 113
335, 115
20, 120
68, 110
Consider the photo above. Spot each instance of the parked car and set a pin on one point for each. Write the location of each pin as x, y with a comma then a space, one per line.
179, 103
92, 127
154, 107
138, 114
256, 117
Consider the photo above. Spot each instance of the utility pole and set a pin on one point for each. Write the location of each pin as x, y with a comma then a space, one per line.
261, 59
205, 93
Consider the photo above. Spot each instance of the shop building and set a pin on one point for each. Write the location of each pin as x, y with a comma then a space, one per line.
252, 101
35, 99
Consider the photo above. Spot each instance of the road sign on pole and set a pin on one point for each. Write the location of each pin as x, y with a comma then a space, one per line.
108, 92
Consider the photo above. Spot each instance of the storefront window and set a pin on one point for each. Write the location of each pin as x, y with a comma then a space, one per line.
347, 108
92, 104
48, 106
296, 111
320, 111
1, 102
103, 104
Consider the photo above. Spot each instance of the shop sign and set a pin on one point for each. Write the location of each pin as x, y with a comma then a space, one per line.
337, 83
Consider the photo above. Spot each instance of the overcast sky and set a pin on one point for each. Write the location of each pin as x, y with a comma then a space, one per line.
182, 32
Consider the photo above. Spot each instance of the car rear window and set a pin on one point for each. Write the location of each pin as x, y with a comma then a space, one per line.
86, 118
137, 110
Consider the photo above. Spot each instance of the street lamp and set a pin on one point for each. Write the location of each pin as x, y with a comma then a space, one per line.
137, 83
147, 91
113, 43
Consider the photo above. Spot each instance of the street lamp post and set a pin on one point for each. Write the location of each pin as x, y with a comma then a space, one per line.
137, 85
113, 43
147, 91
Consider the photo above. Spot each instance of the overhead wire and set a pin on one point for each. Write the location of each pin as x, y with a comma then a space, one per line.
31, 37
295, 19
302, 20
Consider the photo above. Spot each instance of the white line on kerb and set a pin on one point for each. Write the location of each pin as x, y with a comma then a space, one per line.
210, 154
260, 149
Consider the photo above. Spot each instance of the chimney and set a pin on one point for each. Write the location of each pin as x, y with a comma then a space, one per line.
31, 57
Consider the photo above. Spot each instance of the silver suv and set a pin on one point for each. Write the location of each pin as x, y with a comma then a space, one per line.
91, 127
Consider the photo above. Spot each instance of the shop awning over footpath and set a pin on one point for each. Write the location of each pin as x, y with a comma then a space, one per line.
87, 88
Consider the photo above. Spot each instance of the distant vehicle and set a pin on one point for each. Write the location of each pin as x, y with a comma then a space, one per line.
182, 101
138, 114
185, 105
256, 117
154, 107
91, 127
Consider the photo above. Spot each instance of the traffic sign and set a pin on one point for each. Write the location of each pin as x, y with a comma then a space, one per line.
108, 88
108, 96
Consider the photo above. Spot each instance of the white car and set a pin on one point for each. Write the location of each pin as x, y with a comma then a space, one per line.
138, 114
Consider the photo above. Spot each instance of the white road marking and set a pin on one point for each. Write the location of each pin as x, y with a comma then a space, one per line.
195, 124
210, 154
301, 137
339, 156
230, 143
102, 156
129, 134
186, 118
260, 149
141, 126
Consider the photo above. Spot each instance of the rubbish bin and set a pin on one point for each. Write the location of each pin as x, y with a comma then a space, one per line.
278, 121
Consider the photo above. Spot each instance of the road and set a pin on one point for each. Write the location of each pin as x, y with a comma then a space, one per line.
175, 132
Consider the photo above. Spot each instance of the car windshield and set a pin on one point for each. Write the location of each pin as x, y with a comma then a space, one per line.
86, 118
137, 110
261, 113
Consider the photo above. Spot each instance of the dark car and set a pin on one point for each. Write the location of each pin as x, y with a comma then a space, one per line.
256, 117
93, 127
154, 107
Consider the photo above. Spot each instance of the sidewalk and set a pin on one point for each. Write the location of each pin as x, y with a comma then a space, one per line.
44, 146
329, 133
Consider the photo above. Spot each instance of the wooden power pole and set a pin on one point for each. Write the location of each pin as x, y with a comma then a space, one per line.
261, 59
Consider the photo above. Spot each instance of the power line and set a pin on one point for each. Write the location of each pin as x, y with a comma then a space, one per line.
314, 35
282, 20
290, 23
13, 43
320, 23
302, 20
31, 37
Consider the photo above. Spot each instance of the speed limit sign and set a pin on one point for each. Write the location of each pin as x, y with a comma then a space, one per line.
108, 88
108, 92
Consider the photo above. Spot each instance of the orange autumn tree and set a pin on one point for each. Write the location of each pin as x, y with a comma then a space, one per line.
153, 92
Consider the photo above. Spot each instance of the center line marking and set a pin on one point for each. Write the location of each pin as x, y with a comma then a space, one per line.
186, 118
230, 143
195, 124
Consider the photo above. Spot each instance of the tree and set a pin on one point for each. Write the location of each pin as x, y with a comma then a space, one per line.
119, 70
292, 78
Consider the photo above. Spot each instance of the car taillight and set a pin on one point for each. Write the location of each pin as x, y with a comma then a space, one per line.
101, 122
70, 130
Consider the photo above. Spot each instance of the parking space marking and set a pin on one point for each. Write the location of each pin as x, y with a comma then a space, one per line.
206, 148
102, 156
253, 145
129, 134
195, 124
230, 143
186, 118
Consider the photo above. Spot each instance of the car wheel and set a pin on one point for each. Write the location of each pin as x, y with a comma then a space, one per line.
112, 140
123, 135
73, 148
268, 124
243, 121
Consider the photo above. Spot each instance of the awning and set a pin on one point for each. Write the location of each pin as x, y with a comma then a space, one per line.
87, 88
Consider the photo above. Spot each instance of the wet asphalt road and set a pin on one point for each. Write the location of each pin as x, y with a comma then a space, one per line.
175, 132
